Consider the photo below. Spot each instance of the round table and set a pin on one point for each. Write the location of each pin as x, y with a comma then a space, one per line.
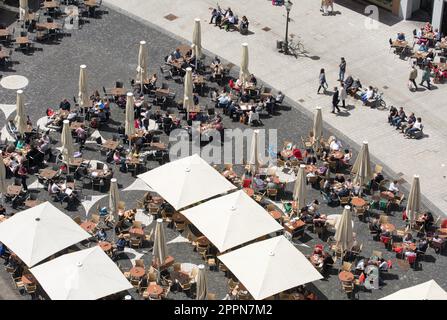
358, 202
137, 231
442, 230
28, 279
178, 217
310, 168
409, 246
286, 154
249, 191
105, 246
137, 272
88, 226
387, 194
154, 289
275, 214
346, 276
389, 227
203, 241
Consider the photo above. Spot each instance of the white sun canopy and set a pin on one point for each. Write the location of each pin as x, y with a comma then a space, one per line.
83, 275
39, 232
231, 220
429, 290
186, 181
269, 267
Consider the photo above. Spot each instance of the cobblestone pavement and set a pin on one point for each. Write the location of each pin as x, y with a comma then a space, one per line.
109, 48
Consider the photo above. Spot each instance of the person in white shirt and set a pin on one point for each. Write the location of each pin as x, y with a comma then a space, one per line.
335, 145
416, 127
394, 187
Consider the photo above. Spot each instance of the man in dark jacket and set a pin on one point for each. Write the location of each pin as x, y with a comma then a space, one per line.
335, 101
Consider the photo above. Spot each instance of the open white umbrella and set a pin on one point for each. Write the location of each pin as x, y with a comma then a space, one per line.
35, 234
240, 220
343, 233
23, 10
270, 266
299, 190
82, 275
414, 200
142, 64
20, 119
129, 128
254, 162
186, 181
244, 74
67, 143
197, 38
318, 126
160, 250
188, 101
429, 290
84, 99
201, 285
114, 196
362, 166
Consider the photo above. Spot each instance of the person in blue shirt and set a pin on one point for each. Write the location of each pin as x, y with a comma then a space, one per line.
101, 235
401, 36
121, 243
423, 47
176, 54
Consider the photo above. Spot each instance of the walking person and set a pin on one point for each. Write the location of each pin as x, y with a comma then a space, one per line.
342, 69
22, 173
335, 100
322, 81
413, 77
426, 77
342, 94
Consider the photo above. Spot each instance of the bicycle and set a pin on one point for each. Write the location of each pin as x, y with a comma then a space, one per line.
378, 102
293, 47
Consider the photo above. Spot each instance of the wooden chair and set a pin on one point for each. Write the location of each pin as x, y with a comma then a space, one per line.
359, 212
378, 169
345, 201
348, 287
135, 242
356, 251
211, 296
30, 288
180, 226
346, 266
140, 263
137, 224
177, 267
383, 219
377, 254
211, 261
270, 207
77, 219
272, 193
186, 287
232, 285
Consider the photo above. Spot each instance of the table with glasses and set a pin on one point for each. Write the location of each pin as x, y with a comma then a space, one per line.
346, 276
137, 272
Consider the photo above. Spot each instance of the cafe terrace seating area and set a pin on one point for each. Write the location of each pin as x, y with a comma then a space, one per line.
312, 212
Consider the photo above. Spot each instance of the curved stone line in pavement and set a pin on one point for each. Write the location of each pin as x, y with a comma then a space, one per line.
179, 239
7, 109
88, 204
36, 185
143, 218
95, 135
137, 255
6, 135
14, 82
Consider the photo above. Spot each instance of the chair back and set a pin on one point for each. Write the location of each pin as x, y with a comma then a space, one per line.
177, 266
346, 266
139, 263
137, 224
95, 218
77, 219
376, 253
390, 41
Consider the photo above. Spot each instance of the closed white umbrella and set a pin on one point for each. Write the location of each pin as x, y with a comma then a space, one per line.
202, 286
414, 200
114, 196
244, 74
20, 119
188, 101
362, 166
129, 128
160, 250
142, 63
254, 162
67, 143
343, 233
299, 190
23, 10
83, 91
318, 126
197, 38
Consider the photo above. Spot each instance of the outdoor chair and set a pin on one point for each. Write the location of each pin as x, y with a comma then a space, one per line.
377, 254
346, 266
211, 296
272, 193
135, 242
139, 263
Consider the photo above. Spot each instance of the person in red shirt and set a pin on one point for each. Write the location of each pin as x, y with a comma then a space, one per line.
297, 154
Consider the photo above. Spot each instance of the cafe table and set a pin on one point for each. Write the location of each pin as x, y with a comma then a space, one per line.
32, 203
389, 227
14, 190
88, 226
203, 241
387, 195
154, 289
136, 231
310, 168
358, 202
47, 174
105, 246
275, 214
178, 217
346, 276
28, 279
22, 40
110, 144
292, 226
249, 191
137, 272
118, 91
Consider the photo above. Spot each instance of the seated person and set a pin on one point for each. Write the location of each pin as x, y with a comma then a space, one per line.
297, 154
120, 243
423, 47
400, 36
356, 85
422, 245
259, 184
347, 157
361, 265
394, 187
383, 265
335, 145
279, 98
243, 25
408, 238
340, 178
375, 225
101, 235
65, 105
343, 192
417, 126
367, 95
